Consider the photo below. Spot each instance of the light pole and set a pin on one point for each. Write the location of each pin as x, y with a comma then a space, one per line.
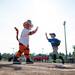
65, 38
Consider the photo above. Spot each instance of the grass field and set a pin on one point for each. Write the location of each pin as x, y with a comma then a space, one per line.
7, 68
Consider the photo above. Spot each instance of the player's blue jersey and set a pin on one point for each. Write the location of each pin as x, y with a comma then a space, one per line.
54, 42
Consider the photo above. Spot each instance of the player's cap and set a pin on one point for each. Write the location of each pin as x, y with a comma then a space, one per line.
52, 34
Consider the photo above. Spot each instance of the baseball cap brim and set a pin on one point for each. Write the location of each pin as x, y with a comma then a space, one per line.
52, 34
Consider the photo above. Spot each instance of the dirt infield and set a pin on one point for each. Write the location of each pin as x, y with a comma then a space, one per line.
7, 68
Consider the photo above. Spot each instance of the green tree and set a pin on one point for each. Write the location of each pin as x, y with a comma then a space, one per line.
5, 56
73, 51
70, 55
0, 56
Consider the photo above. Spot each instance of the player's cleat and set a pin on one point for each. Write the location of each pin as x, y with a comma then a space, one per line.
54, 61
16, 61
60, 57
28, 61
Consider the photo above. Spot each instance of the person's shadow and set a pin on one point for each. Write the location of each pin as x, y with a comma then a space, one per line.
11, 66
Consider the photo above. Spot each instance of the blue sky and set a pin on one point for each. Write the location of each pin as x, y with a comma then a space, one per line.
48, 15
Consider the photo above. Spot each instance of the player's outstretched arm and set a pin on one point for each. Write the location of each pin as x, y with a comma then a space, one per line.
34, 31
46, 36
